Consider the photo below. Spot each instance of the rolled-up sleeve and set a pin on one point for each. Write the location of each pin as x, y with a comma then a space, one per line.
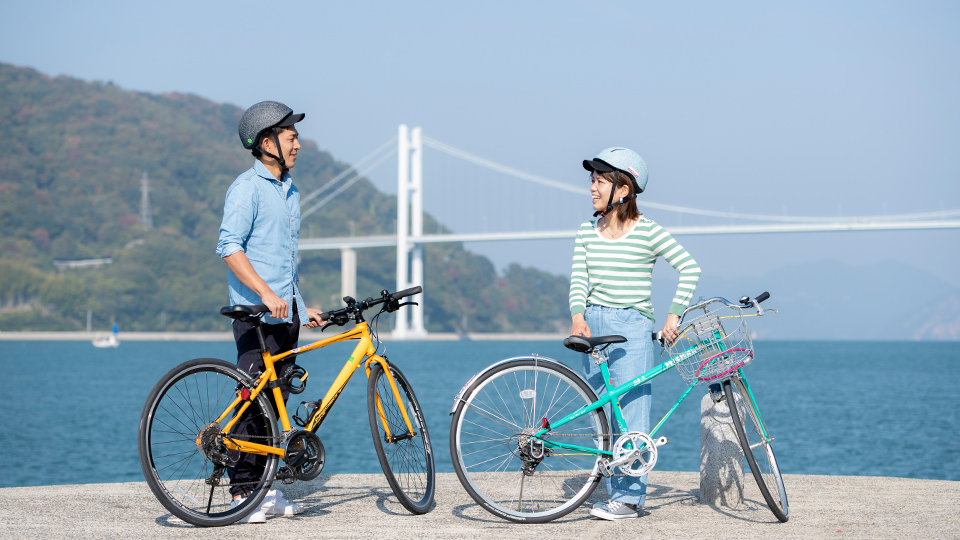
239, 211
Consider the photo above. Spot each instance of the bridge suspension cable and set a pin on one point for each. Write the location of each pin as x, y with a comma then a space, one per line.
333, 181
456, 152
353, 180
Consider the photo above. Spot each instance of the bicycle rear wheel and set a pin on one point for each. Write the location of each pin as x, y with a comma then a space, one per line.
757, 446
406, 458
505, 470
182, 456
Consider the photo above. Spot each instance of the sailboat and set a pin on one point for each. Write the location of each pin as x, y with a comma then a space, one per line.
104, 341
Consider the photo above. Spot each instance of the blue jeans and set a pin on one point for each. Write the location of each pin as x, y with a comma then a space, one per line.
625, 361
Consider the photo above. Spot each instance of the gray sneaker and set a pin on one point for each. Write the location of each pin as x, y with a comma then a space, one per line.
614, 510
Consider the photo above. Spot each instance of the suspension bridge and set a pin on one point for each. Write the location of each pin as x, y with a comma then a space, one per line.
410, 236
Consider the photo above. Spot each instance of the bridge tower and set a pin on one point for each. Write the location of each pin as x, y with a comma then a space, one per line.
409, 227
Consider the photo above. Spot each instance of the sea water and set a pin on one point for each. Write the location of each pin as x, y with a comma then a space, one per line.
70, 411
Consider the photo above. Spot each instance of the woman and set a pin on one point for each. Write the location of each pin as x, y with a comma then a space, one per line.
610, 294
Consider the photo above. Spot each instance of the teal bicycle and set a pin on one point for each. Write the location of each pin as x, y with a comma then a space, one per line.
530, 440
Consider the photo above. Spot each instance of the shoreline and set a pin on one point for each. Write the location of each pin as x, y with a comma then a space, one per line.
305, 335
315, 335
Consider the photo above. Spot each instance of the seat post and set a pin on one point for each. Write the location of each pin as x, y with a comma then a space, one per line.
255, 322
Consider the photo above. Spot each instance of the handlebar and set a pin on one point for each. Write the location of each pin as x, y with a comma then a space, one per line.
745, 302
356, 309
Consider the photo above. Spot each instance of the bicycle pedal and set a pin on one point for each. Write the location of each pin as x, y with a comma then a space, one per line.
661, 441
286, 475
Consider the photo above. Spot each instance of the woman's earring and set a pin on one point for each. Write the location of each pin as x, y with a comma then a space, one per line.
621, 200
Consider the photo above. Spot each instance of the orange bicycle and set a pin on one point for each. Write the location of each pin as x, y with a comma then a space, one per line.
187, 446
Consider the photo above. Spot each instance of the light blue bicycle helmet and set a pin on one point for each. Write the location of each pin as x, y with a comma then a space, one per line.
623, 160
619, 160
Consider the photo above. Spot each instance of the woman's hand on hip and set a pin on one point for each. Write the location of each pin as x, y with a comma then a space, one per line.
579, 327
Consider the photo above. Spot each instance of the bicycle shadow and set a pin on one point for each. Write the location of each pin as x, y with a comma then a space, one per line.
659, 497
749, 510
319, 498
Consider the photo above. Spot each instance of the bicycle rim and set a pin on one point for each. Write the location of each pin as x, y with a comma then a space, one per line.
491, 448
184, 404
406, 458
757, 448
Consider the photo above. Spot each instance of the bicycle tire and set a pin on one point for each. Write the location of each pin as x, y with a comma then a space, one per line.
488, 443
407, 460
183, 402
757, 448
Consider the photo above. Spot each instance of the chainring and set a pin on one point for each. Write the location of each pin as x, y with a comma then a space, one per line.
640, 462
305, 455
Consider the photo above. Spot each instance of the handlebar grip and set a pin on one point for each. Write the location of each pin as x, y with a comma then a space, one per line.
325, 315
407, 292
762, 296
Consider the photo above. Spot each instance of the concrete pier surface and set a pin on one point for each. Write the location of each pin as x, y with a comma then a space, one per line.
362, 506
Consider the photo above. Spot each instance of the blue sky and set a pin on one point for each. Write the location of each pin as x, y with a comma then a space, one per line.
815, 108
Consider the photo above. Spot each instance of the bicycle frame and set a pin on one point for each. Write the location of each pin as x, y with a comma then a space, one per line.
363, 351
611, 396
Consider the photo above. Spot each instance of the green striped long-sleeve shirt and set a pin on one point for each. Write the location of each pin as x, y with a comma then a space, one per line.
619, 273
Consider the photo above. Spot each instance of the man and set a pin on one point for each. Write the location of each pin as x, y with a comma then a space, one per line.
258, 241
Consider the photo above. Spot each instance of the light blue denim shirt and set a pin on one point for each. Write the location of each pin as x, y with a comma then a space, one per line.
261, 217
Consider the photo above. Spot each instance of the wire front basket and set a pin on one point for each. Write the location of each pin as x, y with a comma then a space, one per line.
711, 345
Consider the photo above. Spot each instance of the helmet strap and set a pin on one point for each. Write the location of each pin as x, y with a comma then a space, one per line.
278, 159
610, 203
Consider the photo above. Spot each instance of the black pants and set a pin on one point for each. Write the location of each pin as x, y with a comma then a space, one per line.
278, 337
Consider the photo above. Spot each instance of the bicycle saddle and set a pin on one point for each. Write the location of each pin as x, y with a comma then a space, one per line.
586, 344
242, 312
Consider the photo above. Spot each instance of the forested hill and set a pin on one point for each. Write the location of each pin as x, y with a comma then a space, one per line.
74, 153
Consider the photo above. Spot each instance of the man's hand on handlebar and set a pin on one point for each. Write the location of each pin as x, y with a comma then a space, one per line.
315, 321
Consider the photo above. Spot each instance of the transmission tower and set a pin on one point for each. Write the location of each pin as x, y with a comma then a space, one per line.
146, 218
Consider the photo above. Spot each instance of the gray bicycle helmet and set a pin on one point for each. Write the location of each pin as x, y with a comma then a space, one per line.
263, 117
619, 160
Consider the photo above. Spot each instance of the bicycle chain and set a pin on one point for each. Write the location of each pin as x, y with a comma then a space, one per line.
598, 475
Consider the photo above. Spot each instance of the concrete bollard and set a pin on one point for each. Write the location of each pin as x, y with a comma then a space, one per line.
721, 458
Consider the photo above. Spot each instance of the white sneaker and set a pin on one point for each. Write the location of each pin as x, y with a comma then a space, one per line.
614, 510
275, 504
257, 516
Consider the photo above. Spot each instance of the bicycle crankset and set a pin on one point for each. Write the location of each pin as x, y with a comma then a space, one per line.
305, 455
635, 453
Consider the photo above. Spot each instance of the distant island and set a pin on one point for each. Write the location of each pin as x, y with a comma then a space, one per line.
75, 246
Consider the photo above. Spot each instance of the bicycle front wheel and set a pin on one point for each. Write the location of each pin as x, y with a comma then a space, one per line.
757, 446
182, 453
507, 471
406, 457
